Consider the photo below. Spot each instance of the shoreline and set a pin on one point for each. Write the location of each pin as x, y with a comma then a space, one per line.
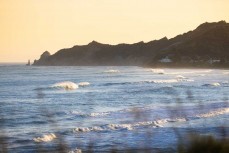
154, 67
142, 66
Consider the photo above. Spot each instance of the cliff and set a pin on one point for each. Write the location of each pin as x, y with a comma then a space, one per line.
207, 45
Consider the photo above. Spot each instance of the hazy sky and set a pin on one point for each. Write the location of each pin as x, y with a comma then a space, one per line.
29, 27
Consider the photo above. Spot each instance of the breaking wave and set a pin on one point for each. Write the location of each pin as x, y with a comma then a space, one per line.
99, 114
88, 129
189, 72
214, 113
180, 77
67, 85
153, 81
226, 73
215, 84
45, 138
170, 80
157, 71
82, 84
112, 71
95, 114
163, 81
154, 124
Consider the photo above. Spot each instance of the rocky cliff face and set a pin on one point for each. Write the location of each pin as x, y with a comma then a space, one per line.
207, 45
42, 59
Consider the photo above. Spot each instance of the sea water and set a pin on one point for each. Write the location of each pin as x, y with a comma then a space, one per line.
109, 107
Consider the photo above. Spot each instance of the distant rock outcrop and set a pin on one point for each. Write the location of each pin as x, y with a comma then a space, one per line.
45, 55
42, 59
206, 46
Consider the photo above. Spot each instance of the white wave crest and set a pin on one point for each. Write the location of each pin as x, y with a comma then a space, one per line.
112, 71
120, 126
67, 85
77, 113
45, 138
157, 71
88, 129
95, 114
157, 123
215, 84
201, 74
170, 81
154, 124
82, 84
163, 81
189, 72
160, 123
147, 123
99, 114
180, 77
214, 113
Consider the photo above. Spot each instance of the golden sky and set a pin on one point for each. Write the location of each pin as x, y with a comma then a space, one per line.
29, 27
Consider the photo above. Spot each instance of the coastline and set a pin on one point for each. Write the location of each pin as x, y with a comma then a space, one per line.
146, 66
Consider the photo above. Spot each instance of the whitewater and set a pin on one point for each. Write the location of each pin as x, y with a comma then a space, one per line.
109, 106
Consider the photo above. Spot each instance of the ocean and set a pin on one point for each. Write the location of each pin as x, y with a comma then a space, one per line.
105, 108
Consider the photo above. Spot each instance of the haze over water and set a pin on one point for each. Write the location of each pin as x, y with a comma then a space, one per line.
110, 106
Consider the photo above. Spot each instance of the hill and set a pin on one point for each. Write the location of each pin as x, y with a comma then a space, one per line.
206, 46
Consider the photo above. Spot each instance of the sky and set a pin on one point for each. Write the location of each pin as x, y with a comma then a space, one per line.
30, 27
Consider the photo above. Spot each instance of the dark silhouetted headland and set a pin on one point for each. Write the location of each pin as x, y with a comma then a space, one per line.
206, 46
